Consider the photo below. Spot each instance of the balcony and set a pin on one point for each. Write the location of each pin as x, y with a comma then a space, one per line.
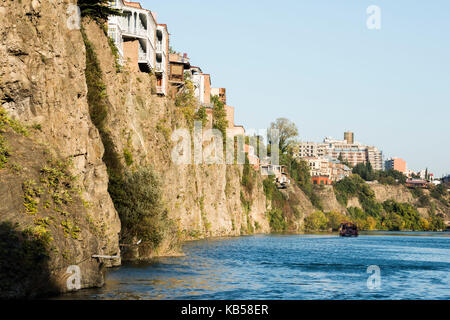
130, 29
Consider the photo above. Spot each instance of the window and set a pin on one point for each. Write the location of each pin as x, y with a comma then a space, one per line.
112, 34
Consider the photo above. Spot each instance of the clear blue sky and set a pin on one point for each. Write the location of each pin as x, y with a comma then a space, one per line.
316, 63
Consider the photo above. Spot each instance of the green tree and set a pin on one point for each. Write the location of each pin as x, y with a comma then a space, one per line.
201, 115
299, 171
365, 171
335, 218
317, 221
99, 10
137, 198
187, 102
287, 132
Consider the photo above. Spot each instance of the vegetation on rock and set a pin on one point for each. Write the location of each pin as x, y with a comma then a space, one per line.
98, 10
220, 121
137, 198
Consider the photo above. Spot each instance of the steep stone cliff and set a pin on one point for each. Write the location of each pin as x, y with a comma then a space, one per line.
57, 156
42, 84
203, 200
55, 181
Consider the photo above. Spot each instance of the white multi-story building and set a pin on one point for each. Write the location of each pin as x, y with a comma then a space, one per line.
312, 149
202, 86
354, 153
162, 59
319, 167
136, 38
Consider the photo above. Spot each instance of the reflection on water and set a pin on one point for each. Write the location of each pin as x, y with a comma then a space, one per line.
289, 267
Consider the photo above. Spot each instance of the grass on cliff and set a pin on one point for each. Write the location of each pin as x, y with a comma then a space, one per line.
98, 104
278, 214
5, 122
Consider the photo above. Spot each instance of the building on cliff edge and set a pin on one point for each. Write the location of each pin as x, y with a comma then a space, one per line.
142, 43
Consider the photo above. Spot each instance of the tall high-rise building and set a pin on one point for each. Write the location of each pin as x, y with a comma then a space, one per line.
396, 164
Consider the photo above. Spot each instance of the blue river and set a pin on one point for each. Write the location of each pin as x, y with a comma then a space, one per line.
294, 267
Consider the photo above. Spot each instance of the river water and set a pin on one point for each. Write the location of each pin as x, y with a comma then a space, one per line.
300, 267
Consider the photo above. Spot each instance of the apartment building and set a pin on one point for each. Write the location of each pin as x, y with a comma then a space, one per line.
312, 149
162, 59
143, 45
332, 169
319, 166
134, 35
350, 151
202, 86
396, 164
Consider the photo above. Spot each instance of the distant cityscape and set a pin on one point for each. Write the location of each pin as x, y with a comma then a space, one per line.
331, 160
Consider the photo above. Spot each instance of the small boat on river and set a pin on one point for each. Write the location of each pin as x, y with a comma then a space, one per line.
348, 229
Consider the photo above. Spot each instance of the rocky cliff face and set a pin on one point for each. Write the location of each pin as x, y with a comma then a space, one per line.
42, 84
54, 160
397, 193
203, 200
56, 181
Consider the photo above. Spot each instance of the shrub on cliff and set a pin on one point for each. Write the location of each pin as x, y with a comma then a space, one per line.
137, 198
299, 172
440, 193
334, 219
355, 186
187, 102
4, 153
277, 220
220, 121
317, 221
